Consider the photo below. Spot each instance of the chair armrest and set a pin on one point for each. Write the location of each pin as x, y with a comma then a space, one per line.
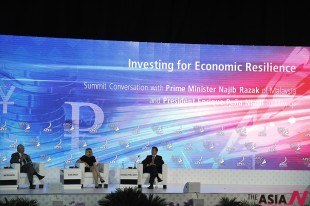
164, 169
165, 173
140, 173
81, 165
140, 167
16, 166
39, 167
105, 169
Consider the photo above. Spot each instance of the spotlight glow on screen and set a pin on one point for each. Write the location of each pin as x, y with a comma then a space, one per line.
203, 106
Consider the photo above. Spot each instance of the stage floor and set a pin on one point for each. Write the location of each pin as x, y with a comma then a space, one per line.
55, 189
55, 194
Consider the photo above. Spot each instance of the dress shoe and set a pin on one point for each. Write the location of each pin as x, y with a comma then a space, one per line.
159, 180
96, 187
40, 177
102, 180
150, 187
32, 187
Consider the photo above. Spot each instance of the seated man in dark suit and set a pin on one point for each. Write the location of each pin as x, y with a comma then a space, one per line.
153, 164
26, 164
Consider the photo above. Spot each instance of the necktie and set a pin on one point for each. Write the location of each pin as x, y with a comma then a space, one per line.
24, 161
153, 158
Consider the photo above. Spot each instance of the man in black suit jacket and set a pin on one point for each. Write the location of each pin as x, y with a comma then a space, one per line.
26, 164
153, 164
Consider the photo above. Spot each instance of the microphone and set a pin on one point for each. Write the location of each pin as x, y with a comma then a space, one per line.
137, 162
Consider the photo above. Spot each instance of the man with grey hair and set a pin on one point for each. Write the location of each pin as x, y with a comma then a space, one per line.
26, 164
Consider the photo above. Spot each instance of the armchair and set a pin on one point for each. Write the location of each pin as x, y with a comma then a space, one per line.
22, 178
143, 178
87, 177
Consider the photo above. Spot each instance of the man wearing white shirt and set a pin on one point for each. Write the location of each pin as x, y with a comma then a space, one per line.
153, 164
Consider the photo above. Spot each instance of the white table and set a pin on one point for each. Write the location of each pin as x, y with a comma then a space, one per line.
8, 179
128, 178
71, 178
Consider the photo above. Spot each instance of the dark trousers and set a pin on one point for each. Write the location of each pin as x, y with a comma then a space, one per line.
28, 168
153, 173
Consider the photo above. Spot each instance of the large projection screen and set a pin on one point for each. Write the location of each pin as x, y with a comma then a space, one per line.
204, 106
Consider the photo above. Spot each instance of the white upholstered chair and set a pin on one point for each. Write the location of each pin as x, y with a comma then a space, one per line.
22, 179
87, 177
143, 178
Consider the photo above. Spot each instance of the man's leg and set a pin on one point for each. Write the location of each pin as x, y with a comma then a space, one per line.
153, 174
28, 168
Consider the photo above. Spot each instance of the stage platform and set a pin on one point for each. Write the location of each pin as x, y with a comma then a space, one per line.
55, 194
215, 184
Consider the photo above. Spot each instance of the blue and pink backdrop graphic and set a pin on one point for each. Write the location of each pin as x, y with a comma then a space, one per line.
203, 106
